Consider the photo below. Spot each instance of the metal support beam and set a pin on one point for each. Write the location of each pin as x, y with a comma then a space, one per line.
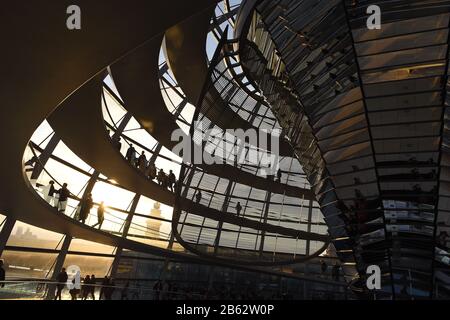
310, 212
59, 265
90, 185
226, 202
129, 219
172, 237
61, 256
45, 156
126, 228
308, 242
266, 214
183, 196
123, 124
116, 262
180, 109
6, 232
156, 153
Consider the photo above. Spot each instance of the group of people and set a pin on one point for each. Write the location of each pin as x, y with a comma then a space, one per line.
88, 289
162, 290
88, 286
59, 198
56, 198
167, 181
84, 208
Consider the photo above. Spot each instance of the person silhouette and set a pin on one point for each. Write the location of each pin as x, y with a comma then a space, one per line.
86, 207
238, 209
2, 274
100, 215
62, 280
172, 180
91, 287
49, 192
142, 162
85, 288
64, 194
131, 154
198, 196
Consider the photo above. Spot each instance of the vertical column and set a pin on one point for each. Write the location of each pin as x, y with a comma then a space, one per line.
307, 285
212, 269
183, 196
6, 232
266, 214
133, 207
172, 237
310, 212
61, 256
58, 266
126, 228
115, 137
224, 211
116, 262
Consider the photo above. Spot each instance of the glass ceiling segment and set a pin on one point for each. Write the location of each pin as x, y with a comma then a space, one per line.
375, 102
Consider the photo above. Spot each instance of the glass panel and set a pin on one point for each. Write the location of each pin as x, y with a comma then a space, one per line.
21, 264
25, 235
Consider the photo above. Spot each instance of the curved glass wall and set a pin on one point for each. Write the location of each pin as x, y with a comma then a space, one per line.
373, 103
36, 253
